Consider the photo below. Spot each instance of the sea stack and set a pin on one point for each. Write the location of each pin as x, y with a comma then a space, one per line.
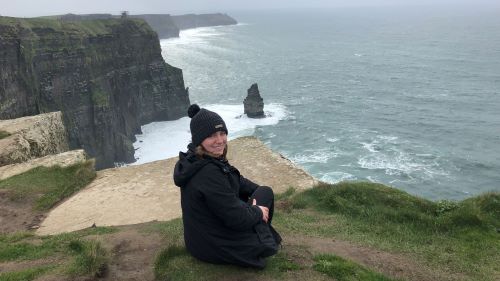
253, 103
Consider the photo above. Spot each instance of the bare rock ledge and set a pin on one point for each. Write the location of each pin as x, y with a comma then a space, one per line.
32, 137
143, 193
64, 159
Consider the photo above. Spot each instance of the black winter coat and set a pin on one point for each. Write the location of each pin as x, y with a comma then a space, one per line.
218, 221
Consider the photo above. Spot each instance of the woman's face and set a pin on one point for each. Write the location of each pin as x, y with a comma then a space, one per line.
215, 143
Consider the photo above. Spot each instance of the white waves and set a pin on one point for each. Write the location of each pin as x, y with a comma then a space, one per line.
161, 140
392, 155
192, 36
335, 177
313, 156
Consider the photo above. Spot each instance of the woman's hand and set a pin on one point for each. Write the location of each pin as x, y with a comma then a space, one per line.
265, 211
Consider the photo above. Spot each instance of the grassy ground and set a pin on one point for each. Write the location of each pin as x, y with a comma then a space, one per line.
48, 186
3, 134
459, 237
38, 190
348, 231
65, 255
294, 262
75, 28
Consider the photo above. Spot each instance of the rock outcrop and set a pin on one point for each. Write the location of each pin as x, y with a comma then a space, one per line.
253, 103
63, 159
32, 137
107, 77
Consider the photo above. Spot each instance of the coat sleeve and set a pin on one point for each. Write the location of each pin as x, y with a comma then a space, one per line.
223, 201
247, 188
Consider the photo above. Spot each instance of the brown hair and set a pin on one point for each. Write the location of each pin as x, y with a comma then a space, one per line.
201, 152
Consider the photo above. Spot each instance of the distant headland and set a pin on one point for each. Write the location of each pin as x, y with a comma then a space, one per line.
165, 25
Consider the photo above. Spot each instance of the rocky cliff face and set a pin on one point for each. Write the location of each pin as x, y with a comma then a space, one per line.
163, 25
106, 76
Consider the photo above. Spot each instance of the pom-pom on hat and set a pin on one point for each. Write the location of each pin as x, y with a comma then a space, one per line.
204, 123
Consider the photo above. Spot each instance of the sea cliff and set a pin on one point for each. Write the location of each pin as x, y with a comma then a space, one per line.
202, 20
168, 26
165, 25
107, 76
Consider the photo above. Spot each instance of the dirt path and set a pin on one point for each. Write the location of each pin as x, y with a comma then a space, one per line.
132, 254
15, 216
143, 193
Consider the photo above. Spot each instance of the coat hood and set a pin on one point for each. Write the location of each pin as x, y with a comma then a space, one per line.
187, 166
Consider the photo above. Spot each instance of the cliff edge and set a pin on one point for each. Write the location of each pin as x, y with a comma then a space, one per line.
107, 76
143, 193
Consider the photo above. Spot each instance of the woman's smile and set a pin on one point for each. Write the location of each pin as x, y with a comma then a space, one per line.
215, 143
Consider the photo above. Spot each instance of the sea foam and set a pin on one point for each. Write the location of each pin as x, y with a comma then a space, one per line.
161, 140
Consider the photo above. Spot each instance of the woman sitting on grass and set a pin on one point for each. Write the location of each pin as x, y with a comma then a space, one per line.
227, 218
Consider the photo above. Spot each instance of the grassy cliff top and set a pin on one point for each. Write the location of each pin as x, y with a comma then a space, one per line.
349, 231
80, 28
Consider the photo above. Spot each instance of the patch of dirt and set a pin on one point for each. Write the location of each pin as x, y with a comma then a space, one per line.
390, 264
17, 215
132, 254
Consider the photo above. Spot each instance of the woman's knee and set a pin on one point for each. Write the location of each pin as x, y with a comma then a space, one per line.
264, 196
264, 192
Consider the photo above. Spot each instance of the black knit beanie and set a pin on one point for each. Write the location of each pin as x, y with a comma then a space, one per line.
204, 123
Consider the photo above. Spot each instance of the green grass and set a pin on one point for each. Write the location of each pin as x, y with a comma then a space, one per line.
285, 195
26, 246
44, 187
91, 258
175, 264
452, 236
100, 98
26, 251
76, 28
456, 238
80, 256
3, 134
25, 275
48, 186
343, 270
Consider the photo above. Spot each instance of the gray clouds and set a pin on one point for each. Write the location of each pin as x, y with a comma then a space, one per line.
30, 8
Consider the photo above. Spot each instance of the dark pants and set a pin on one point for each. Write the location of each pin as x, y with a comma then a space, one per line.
264, 196
268, 236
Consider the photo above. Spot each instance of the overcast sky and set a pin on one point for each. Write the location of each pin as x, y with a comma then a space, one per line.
29, 8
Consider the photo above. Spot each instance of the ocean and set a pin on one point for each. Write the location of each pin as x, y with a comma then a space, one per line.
404, 96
